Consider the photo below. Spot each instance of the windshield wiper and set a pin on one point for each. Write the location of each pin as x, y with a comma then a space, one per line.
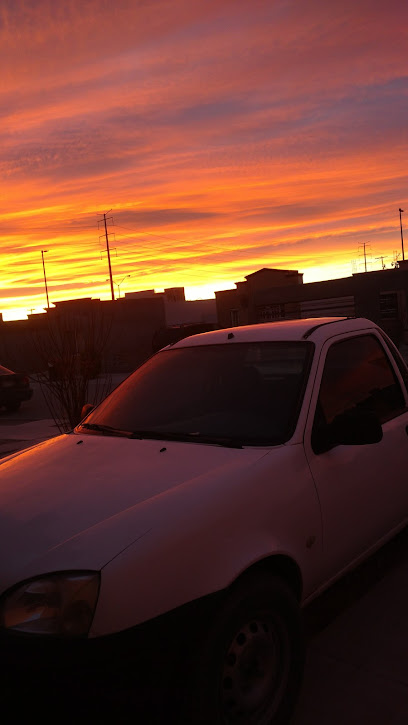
183, 437
107, 429
225, 441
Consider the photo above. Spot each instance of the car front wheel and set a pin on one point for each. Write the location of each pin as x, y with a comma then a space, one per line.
250, 665
12, 407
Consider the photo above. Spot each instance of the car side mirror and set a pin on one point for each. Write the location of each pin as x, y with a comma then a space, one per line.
86, 409
354, 428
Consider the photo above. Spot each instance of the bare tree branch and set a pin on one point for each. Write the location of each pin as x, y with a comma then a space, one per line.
71, 350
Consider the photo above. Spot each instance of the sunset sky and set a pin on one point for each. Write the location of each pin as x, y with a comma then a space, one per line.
225, 136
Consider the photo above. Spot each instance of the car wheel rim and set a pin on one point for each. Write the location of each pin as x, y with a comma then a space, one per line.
254, 672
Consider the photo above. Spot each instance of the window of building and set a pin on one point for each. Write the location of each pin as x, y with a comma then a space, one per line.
234, 318
389, 305
270, 313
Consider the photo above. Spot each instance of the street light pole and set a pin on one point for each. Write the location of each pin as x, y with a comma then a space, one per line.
402, 238
119, 283
108, 253
45, 277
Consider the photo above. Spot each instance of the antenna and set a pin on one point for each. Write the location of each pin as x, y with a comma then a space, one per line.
394, 262
382, 261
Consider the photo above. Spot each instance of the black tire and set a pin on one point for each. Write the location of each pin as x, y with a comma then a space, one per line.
12, 407
250, 664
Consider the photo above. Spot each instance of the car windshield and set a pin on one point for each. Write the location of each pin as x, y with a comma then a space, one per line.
5, 371
231, 394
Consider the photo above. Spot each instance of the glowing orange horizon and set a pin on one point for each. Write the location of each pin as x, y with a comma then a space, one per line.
225, 137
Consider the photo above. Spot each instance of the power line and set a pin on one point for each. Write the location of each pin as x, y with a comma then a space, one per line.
211, 248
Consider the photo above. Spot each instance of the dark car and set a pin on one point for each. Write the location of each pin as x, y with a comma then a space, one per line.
14, 388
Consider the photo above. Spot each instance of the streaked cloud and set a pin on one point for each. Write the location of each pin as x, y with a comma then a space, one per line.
224, 135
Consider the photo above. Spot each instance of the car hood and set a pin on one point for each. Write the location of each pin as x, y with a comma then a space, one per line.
77, 501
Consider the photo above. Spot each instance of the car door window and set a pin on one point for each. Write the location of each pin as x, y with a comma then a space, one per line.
357, 376
398, 359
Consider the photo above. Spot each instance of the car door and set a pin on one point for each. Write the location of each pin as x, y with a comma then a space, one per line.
363, 489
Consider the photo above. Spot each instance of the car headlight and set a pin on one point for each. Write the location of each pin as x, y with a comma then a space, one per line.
60, 604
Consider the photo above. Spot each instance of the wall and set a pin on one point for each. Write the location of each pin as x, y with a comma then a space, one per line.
381, 296
244, 306
121, 332
190, 312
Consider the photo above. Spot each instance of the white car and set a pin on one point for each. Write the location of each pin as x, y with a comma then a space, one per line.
222, 486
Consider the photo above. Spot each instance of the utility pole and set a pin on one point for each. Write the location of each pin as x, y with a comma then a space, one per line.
402, 238
105, 219
364, 245
45, 277
382, 261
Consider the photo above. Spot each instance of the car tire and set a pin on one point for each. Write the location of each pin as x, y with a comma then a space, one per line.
250, 664
12, 407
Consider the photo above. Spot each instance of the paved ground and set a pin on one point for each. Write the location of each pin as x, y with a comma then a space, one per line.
357, 666
33, 422
15, 436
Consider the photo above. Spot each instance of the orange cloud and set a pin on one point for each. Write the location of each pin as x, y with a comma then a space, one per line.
226, 136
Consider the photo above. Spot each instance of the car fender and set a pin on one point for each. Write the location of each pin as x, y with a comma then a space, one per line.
205, 534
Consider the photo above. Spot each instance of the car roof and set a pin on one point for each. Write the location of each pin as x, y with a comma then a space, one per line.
316, 329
